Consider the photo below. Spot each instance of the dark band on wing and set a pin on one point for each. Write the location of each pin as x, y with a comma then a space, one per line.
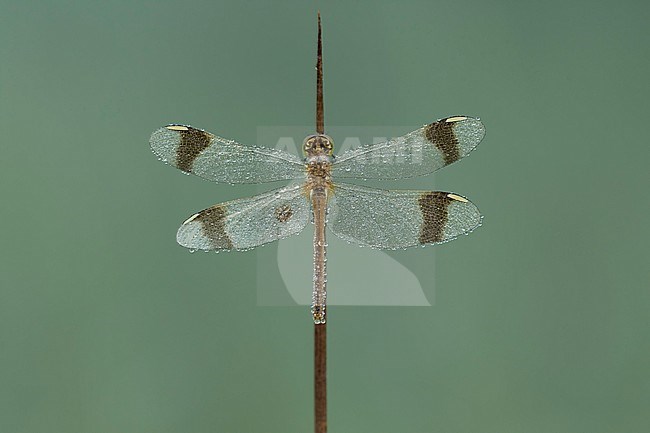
193, 142
433, 206
213, 225
441, 134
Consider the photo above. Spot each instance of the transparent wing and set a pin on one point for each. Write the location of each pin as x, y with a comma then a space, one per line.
247, 223
399, 219
417, 153
214, 158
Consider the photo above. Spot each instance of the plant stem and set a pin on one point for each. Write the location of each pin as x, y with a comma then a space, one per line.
320, 330
320, 378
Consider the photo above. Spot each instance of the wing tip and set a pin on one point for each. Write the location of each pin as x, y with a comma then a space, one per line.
469, 131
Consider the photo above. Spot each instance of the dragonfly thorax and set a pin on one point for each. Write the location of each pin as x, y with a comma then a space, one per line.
318, 144
318, 158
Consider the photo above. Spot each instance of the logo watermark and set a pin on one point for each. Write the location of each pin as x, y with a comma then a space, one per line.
356, 276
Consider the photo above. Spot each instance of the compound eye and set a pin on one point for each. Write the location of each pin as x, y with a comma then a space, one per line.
309, 143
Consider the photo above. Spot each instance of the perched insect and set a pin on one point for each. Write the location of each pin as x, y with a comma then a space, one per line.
366, 216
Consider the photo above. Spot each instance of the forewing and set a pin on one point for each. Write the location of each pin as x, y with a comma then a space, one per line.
399, 219
417, 153
215, 158
247, 223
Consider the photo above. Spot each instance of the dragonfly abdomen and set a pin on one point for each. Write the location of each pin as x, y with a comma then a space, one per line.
319, 294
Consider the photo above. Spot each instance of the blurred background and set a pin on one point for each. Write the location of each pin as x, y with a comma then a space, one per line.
540, 322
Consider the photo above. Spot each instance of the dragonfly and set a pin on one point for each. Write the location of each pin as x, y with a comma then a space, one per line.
383, 219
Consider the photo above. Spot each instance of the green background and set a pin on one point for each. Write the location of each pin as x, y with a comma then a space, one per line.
541, 316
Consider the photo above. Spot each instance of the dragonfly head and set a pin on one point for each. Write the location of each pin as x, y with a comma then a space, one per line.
318, 144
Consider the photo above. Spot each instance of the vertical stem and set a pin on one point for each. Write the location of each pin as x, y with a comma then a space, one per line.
320, 378
320, 330
320, 111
